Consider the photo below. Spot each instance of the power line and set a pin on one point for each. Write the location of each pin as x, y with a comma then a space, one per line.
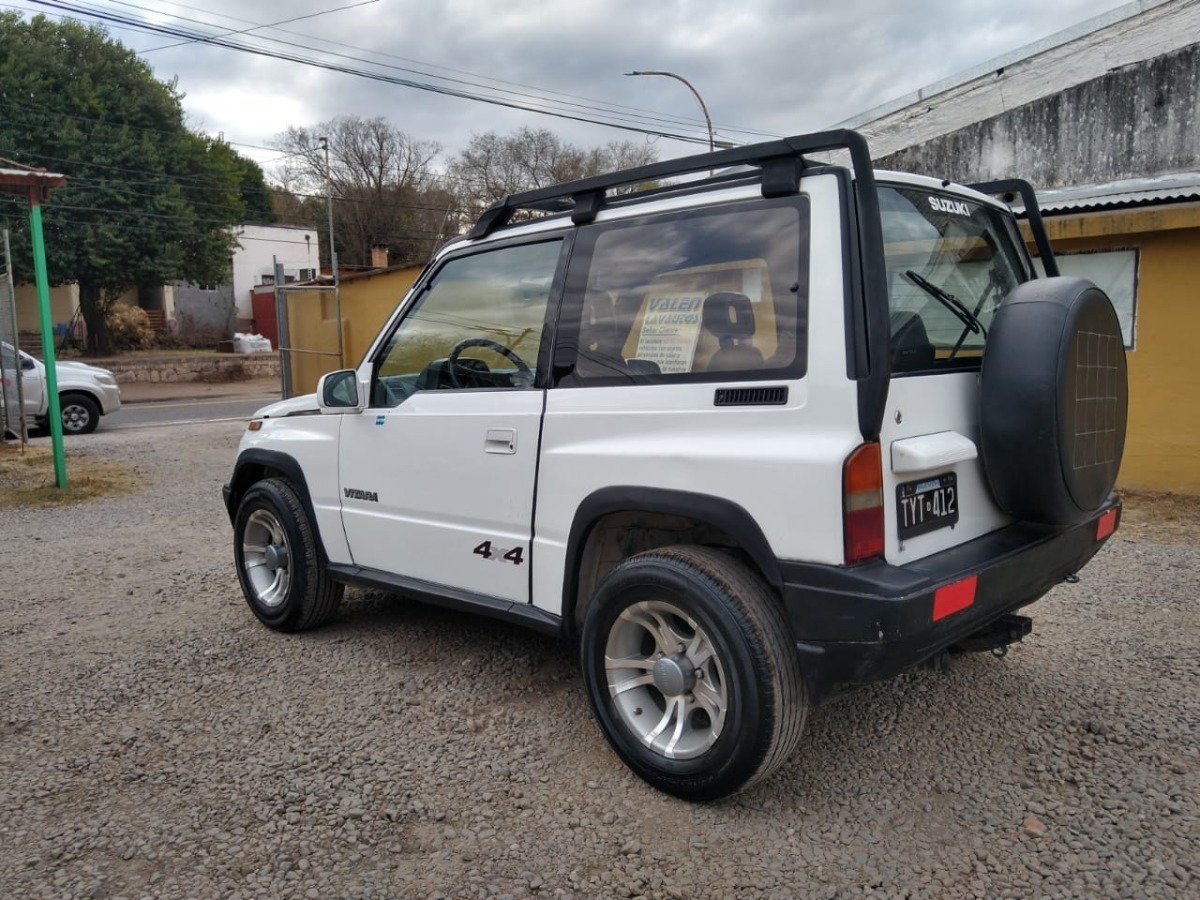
49, 210
308, 46
307, 153
12, 104
599, 105
323, 12
175, 31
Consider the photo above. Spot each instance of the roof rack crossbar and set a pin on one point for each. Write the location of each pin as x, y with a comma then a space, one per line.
775, 157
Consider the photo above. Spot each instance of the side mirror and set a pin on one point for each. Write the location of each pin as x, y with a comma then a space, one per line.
27, 363
337, 392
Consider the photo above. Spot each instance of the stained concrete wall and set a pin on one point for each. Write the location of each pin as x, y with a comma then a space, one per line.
1126, 36
1143, 119
204, 317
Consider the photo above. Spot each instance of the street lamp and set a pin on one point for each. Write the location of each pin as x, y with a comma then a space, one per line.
695, 93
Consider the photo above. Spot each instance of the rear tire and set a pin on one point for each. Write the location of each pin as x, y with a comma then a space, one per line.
279, 564
710, 697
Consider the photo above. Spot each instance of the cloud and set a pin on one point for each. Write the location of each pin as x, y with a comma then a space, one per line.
773, 66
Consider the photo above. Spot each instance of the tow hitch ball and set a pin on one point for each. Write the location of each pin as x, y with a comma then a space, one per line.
993, 638
996, 636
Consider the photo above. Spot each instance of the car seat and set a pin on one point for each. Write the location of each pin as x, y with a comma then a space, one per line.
729, 317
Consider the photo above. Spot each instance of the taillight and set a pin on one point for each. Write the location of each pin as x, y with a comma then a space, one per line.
862, 503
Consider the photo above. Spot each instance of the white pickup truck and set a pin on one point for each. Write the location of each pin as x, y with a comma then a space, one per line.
85, 392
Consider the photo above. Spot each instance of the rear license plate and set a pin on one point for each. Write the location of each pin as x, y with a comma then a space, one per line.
926, 505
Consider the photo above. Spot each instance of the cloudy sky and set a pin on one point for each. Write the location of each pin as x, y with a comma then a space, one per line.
764, 67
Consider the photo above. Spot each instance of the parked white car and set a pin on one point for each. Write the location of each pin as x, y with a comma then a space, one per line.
85, 392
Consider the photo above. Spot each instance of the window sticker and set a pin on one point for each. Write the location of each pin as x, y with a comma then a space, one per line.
670, 330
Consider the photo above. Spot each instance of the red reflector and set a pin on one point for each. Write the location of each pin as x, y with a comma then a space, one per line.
1106, 524
953, 597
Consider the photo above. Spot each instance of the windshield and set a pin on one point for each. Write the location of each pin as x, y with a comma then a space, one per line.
949, 264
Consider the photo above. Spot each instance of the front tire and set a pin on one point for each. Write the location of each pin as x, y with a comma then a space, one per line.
691, 672
80, 414
279, 564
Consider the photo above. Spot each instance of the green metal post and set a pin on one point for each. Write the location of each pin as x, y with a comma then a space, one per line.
42, 281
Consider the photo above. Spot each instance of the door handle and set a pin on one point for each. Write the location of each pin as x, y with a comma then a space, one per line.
500, 440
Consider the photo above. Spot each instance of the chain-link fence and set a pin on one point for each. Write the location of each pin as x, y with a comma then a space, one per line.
12, 400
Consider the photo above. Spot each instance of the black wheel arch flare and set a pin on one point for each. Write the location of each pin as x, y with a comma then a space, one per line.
706, 509
251, 466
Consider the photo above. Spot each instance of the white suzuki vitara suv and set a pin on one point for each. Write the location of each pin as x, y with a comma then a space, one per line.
749, 438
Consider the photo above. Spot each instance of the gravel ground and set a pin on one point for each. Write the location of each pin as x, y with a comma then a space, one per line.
155, 741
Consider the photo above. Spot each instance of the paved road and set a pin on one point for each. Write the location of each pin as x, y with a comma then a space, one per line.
173, 412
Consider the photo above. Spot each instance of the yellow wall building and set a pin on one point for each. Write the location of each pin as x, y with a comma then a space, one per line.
367, 300
1162, 445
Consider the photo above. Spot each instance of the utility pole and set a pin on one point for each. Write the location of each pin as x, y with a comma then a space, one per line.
333, 264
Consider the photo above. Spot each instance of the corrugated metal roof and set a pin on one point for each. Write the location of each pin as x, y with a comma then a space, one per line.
1174, 188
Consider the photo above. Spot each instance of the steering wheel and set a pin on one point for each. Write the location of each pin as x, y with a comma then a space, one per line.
452, 361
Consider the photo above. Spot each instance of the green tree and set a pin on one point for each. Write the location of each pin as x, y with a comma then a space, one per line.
147, 201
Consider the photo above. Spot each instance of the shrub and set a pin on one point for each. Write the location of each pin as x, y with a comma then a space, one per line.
130, 328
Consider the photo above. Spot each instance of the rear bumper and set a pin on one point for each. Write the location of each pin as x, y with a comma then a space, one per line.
858, 624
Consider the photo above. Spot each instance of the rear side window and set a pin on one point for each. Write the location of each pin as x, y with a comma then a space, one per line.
949, 264
703, 295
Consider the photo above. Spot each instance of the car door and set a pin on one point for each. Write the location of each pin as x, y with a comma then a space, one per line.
438, 472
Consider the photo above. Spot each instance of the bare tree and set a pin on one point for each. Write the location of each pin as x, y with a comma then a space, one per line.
384, 187
493, 166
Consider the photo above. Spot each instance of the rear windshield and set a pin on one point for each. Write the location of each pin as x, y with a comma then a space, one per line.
949, 264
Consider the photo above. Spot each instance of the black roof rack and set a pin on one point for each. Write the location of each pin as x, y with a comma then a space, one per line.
1032, 211
780, 163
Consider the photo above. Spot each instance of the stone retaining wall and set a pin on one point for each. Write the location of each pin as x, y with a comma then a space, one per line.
169, 368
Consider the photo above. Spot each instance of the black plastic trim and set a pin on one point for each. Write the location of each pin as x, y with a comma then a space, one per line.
718, 512
771, 395
863, 623
524, 614
239, 483
857, 361
1032, 211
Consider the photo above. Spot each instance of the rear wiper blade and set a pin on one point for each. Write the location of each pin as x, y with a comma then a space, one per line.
947, 300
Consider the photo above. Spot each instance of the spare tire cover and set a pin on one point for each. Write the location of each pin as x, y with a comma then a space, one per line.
1054, 399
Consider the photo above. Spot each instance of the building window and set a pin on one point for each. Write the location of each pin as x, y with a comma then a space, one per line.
1115, 272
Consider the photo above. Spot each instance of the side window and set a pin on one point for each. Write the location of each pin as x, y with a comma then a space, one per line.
712, 294
476, 325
